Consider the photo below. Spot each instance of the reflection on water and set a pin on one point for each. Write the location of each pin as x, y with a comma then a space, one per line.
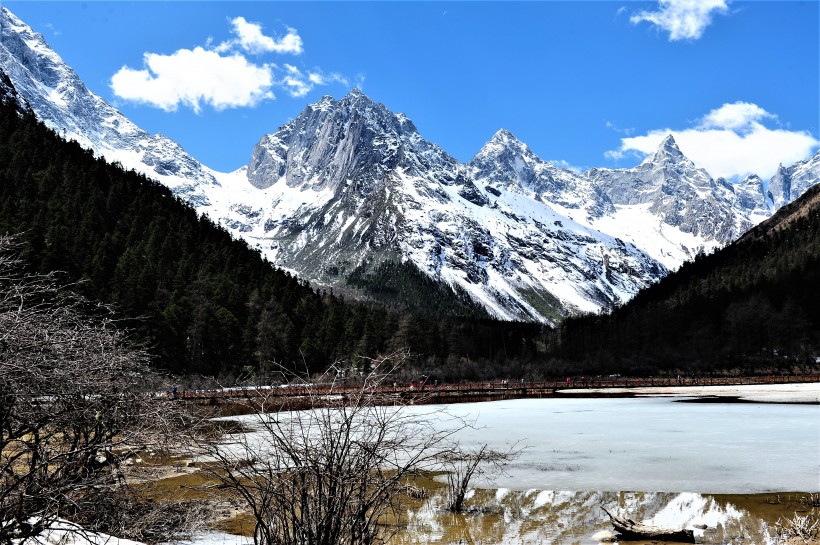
547, 517
634, 444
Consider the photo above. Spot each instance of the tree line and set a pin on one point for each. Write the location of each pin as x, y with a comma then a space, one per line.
752, 307
204, 302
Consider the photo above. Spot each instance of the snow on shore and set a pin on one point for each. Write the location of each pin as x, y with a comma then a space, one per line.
806, 392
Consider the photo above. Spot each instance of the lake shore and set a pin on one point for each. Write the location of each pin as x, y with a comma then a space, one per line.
805, 392
587, 447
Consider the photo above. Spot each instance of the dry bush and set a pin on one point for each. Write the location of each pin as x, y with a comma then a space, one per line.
462, 466
805, 528
333, 474
74, 395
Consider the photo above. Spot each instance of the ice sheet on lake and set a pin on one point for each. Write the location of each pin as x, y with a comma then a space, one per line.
644, 444
650, 444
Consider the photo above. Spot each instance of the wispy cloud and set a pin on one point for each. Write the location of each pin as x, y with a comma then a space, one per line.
53, 29
682, 19
298, 83
730, 141
625, 131
250, 38
221, 76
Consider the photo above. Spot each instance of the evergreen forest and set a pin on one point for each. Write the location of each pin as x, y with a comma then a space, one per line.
205, 303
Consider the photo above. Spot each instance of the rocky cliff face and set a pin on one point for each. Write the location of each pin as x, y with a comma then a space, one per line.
62, 101
348, 185
359, 186
789, 183
675, 190
506, 163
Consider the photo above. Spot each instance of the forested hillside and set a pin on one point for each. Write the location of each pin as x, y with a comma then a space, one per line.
753, 306
206, 303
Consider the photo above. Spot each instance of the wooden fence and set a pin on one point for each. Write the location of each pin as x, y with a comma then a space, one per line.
418, 393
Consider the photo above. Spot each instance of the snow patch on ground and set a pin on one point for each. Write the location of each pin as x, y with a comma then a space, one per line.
808, 392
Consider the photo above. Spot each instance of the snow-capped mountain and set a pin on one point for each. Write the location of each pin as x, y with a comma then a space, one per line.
791, 182
672, 207
666, 205
506, 163
673, 210
348, 185
62, 101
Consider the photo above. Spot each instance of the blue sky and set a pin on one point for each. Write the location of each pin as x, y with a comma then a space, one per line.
583, 83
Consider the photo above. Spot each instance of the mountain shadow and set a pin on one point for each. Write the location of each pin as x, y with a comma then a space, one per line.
207, 303
752, 307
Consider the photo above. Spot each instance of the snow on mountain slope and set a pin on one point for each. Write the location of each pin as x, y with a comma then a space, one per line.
348, 185
665, 206
60, 100
352, 185
671, 208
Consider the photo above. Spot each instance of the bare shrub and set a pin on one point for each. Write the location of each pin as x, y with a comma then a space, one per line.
805, 528
333, 474
462, 466
72, 399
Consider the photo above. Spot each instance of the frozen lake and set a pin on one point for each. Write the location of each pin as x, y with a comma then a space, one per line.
657, 459
649, 444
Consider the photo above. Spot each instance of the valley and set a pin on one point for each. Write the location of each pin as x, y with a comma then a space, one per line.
363, 336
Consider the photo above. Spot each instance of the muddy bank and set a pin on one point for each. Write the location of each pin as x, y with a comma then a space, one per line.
502, 516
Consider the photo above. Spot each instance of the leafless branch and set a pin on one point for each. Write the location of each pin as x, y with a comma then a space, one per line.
75, 396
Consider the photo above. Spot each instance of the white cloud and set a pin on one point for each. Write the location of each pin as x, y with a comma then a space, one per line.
729, 141
249, 37
298, 83
220, 76
295, 82
682, 19
319, 78
736, 116
194, 78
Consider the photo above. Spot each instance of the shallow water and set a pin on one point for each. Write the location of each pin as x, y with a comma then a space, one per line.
703, 466
649, 444
548, 517
541, 517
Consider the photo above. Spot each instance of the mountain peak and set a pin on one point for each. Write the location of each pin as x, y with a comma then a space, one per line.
669, 140
504, 134
668, 151
503, 140
670, 145
356, 95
